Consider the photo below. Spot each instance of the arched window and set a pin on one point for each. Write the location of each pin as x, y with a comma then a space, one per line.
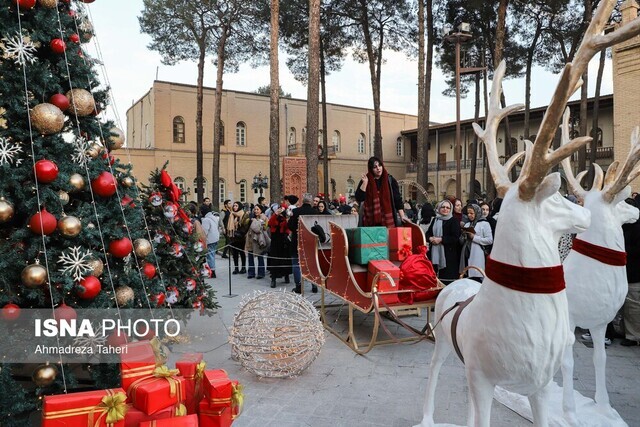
304, 135
598, 137
221, 133
204, 187
335, 141
241, 134
180, 183
399, 147
178, 130
291, 139
222, 191
351, 185
361, 143
320, 134
243, 191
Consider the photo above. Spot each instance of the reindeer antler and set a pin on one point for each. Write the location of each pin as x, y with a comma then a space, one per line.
540, 161
617, 181
488, 135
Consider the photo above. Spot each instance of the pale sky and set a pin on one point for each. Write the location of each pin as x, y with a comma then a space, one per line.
131, 68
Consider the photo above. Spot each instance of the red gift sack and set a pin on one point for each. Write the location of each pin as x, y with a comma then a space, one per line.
417, 274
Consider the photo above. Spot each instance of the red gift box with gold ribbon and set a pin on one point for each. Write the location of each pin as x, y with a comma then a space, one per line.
139, 359
399, 243
192, 368
152, 394
384, 284
136, 416
219, 416
100, 408
186, 421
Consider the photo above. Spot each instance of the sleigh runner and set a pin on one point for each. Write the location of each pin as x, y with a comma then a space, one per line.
327, 265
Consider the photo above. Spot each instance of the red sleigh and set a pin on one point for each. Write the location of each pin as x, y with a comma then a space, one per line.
327, 265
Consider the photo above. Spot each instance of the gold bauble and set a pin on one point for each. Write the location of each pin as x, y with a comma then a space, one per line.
80, 102
86, 29
77, 182
49, 4
64, 197
69, 226
124, 295
6, 210
116, 140
3, 121
34, 275
142, 247
96, 267
47, 118
94, 150
91, 225
127, 181
44, 375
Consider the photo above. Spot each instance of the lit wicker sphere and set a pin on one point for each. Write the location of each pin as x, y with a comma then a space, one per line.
276, 334
81, 102
47, 118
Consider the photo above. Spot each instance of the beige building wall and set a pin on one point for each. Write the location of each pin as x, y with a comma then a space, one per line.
626, 87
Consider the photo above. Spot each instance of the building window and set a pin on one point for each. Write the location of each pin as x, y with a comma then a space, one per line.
222, 191
291, 139
304, 136
241, 134
180, 183
361, 143
204, 186
147, 136
399, 147
335, 141
178, 130
243, 191
320, 134
597, 137
221, 133
351, 187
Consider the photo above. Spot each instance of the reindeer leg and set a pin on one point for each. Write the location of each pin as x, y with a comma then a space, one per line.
440, 354
568, 400
600, 362
480, 397
539, 402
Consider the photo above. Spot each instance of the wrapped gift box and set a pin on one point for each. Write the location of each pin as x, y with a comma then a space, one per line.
384, 284
367, 244
152, 394
137, 361
218, 388
95, 408
219, 416
136, 416
399, 243
191, 368
186, 421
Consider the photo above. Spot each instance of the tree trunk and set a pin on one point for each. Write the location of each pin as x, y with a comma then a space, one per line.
421, 177
217, 122
199, 152
582, 152
596, 106
501, 29
527, 84
275, 191
489, 186
474, 145
325, 134
311, 148
427, 90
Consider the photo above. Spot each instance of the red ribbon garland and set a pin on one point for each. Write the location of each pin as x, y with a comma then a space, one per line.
600, 253
533, 280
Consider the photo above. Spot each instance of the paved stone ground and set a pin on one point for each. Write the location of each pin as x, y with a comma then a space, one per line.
386, 387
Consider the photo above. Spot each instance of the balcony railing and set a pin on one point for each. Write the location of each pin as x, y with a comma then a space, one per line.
601, 153
447, 166
299, 150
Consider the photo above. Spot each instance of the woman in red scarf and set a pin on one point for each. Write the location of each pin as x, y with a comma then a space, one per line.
379, 197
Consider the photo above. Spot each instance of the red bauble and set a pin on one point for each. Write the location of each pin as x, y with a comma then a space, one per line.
74, 38
43, 222
104, 185
88, 1
126, 200
109, 157
60, 101
10, 312
120, 248
90, 287
117, 339
25, 4
158, 299
149, 270
58, 46
64, 312
72, 13
46, 171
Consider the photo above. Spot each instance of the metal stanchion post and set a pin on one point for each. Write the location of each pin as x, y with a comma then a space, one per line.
230, 295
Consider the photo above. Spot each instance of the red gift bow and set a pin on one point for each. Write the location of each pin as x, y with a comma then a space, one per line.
165, 179
405, 251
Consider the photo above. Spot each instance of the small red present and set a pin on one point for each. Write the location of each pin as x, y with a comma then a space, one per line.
219, 390
384, 284
152, 394
136, 416
192, 368
100, 408
186, 421
138, 360
220, 416
399, 243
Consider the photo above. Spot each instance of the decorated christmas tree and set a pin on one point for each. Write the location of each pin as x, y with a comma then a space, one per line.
73, 232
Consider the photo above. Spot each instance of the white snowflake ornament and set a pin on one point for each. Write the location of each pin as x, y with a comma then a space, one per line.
9, 153
76, 263
20, 49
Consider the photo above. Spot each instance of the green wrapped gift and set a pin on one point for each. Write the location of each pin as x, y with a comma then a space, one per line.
367, 244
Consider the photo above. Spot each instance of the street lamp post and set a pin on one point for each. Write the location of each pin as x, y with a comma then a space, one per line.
462, 35
260, 183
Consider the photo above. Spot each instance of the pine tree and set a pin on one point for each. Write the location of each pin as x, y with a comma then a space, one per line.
72, 232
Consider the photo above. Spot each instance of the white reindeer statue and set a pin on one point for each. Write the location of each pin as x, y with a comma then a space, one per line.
595, 272
514, 332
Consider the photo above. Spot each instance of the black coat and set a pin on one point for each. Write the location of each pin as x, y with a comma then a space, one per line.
451, 241
305, 209
632, 246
